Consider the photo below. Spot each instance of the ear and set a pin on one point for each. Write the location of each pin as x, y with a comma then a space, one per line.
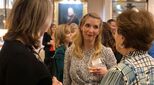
123, 38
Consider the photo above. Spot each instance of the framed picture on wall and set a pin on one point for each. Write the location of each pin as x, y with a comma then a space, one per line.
69, 13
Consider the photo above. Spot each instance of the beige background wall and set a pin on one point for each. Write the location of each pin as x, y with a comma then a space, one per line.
104, 8
151, 6
101, 7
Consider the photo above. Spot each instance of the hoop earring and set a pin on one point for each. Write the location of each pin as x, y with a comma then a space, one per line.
121, 46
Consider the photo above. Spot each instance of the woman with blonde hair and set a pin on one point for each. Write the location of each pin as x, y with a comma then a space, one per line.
87, 60
62, 41
74, 28
19, 63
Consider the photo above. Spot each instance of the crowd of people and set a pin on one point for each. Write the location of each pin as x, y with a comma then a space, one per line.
117, 52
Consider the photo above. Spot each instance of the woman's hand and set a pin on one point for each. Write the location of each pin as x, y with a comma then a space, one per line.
55, 81
98, 70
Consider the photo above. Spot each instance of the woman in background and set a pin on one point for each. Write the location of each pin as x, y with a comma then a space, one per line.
74, 28
19, 63
87, 60
49, 48
109, 41
62, 41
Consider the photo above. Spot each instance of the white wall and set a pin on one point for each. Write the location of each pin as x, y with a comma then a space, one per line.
107, 10
104, 8
101, 7
151, 6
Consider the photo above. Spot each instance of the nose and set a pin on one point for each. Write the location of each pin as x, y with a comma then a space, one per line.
91, 29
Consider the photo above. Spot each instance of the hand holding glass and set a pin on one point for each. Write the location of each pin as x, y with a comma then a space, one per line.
98, 67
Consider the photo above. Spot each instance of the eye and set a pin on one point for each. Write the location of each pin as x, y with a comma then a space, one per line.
87, 25
95, 26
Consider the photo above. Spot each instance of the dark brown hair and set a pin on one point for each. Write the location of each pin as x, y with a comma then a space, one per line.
137, 27
107, 37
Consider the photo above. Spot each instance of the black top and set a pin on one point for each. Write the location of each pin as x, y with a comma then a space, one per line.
19, 66
46, 39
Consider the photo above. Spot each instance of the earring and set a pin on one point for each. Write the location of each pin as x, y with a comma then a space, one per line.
121, 46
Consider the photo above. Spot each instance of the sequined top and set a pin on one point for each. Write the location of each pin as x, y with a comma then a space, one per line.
76, 70
142, 68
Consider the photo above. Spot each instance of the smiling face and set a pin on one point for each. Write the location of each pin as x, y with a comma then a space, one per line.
90, 29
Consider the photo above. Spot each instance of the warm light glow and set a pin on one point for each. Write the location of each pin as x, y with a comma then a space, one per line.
4, 21
71, 2
3, 32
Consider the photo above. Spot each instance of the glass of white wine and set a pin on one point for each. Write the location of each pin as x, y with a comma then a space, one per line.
93, 67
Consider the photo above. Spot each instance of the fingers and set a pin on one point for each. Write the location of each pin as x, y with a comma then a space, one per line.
99, 70
55, 81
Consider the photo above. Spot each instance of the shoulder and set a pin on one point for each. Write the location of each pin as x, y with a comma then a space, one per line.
70, 49
106, 49
19, 57
14, 48
61, 48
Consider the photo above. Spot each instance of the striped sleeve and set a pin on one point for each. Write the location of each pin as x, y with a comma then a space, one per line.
113, 77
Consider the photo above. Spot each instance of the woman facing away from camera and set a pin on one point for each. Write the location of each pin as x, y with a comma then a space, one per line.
87, 60
19, 63
133, 38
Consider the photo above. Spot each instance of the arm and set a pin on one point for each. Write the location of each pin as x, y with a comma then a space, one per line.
59, 59
113, 77
67, 61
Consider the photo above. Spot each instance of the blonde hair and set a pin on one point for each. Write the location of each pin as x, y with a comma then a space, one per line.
51, 30
60, 34
73, 27
78, 41
26, 20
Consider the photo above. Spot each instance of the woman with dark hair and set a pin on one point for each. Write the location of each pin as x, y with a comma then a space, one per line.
133, 38
20, 64
49, 49
109, 41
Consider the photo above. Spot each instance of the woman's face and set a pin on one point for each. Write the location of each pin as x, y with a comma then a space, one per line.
90, 30
68, 37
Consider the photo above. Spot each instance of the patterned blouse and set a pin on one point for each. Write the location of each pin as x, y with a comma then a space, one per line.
76, 70
142, 70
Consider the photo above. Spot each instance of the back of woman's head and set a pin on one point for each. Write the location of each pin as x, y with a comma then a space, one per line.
60, 34
27, 20
137, 27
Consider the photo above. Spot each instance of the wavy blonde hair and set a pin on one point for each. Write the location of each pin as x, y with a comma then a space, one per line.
60, 34
26, 20
79, 42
